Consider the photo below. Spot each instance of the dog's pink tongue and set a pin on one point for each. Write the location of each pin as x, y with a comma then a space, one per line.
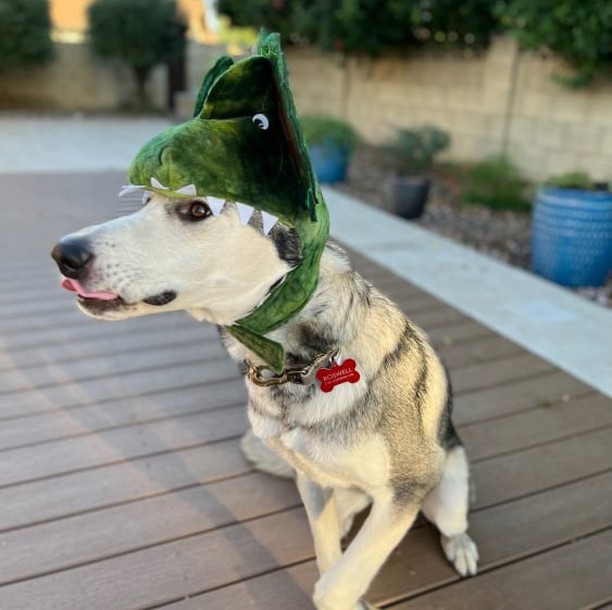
74, 286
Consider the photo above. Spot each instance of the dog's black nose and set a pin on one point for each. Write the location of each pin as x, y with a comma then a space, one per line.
71, 256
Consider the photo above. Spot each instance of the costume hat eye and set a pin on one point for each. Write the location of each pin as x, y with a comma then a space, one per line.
261, 121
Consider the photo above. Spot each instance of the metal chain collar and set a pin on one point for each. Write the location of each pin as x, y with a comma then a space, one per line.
299, 375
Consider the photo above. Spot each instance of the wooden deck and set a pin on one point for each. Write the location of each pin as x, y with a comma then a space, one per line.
122, 486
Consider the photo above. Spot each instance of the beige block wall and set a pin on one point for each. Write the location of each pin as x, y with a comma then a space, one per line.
551, 128
76, 80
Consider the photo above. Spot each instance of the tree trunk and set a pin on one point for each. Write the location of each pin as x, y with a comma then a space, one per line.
142, 77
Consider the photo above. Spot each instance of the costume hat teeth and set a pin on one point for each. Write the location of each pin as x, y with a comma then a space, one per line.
146, 197
130, 188
268, 221
188, 189
215, 204
155, 183
245, 212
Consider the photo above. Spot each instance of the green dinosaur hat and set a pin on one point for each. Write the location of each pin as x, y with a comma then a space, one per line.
245, 145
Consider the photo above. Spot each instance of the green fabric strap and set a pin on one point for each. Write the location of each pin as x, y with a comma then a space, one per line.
284, 302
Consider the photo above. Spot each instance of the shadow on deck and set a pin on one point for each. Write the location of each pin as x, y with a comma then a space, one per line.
122, 485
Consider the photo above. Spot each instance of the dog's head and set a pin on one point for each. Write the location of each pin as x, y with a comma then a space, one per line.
232, 213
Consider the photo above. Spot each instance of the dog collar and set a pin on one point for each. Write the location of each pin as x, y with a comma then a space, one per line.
265, 377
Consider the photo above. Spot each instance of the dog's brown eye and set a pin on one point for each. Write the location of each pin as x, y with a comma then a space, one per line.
199, 210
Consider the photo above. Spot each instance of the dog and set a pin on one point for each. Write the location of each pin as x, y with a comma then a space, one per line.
361, 406
387, 440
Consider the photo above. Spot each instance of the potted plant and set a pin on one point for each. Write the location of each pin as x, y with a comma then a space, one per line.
571, 238
412, 153
331, 143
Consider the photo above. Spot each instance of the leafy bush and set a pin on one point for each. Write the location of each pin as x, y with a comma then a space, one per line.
496, 183
274, 15
24, 32
571, 180
580, 32
368, 27
141, 33
320, 129
451, 23
414, 150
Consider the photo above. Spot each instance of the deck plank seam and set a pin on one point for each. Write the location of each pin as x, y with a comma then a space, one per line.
499, 565
115, 462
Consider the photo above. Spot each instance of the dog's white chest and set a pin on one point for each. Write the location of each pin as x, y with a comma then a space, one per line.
364, 465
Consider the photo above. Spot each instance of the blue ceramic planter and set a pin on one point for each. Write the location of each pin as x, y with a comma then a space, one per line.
571, 236
330, 161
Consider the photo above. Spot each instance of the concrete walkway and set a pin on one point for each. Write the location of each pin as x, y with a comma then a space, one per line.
72, 143
570, 332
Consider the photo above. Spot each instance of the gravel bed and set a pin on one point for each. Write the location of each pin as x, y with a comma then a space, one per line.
503, 235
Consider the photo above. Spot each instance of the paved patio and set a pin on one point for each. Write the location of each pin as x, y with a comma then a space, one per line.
121, 483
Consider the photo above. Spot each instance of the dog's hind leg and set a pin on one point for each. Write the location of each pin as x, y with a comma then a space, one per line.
342, 587
447, 507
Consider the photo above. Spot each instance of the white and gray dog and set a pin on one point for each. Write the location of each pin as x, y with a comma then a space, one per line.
386, 440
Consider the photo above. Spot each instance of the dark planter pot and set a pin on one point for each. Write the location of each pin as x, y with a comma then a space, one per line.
329, 161
410, 196
571, 239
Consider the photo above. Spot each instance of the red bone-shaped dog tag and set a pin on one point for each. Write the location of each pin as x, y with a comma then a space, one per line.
338, 374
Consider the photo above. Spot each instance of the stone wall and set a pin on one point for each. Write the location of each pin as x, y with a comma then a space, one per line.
499, 100
78, 80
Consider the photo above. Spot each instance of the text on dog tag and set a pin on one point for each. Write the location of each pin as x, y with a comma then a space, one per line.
338, 374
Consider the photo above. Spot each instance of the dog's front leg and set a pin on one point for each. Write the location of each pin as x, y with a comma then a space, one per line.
320, 505
341, 587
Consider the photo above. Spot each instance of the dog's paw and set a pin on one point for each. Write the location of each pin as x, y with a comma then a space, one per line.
461, 551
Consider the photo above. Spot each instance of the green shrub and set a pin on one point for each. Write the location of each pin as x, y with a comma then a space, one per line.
318, 129
141, 33
24, 32
368, 27
580, 32
414, 150
571, 180
495, 183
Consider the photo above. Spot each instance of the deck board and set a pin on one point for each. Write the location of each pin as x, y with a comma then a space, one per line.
122, 484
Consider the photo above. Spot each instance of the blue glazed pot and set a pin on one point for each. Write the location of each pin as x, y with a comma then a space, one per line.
571, 239
330, 161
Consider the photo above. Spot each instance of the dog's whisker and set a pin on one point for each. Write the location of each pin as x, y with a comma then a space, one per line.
244, 212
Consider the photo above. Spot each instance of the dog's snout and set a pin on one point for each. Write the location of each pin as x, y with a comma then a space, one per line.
71, 256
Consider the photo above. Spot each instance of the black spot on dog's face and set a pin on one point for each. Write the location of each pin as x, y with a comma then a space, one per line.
287, 245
